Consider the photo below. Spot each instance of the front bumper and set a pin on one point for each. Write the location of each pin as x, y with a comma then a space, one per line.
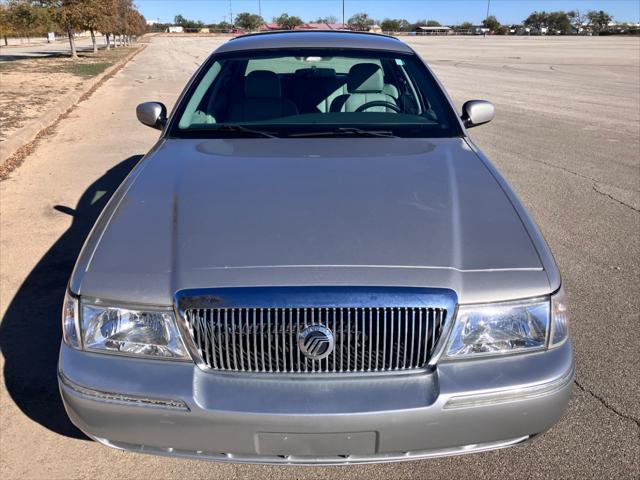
173, 408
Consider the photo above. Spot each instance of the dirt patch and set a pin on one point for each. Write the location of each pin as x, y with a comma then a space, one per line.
14, 161
32, 86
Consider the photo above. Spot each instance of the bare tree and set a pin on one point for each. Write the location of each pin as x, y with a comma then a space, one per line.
360, 21
578, 20
329, 19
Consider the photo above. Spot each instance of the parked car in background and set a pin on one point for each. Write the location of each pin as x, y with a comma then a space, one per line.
315, 265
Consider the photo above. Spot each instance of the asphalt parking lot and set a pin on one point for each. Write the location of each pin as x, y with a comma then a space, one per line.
566, 136
58, 48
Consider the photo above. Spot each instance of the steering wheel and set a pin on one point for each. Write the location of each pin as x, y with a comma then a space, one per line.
378, 103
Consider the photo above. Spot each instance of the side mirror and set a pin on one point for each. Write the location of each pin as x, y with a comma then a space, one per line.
152, 114
477, 112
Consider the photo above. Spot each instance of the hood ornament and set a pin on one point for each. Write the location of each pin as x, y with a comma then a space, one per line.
316, 342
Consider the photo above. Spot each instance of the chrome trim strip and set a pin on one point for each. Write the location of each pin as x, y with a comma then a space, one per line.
487, 398
122, 398
311, 460
319, 297
322, 299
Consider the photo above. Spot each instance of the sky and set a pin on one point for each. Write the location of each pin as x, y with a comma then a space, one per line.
445, 11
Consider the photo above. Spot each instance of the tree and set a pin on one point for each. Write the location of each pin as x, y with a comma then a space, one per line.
405, 26
23, 17
433, 23
537, 20
95, 17
286, 22
395, 25
329, 19
491, 23
114, 18
389, 25
558, 22
136, 24
108, 23
68, 15
360, 21
466, 26
187, 24
578, 20
222, 26
5, 25
249, 21
599, 20
121, 21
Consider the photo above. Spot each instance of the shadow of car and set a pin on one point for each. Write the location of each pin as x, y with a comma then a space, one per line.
30, 331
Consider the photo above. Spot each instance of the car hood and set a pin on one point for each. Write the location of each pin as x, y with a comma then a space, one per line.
241, 212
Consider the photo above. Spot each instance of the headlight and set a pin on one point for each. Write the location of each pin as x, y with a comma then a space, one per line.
131, 332
559, 319
499, 328
94, 327
70, 322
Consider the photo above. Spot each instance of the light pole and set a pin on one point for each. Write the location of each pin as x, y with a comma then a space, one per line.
488, 5
230, 13
342, 13
259, 8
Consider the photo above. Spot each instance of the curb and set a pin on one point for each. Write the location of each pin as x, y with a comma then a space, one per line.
14, 150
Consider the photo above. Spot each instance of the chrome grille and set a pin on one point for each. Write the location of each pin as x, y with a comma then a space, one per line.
266, 339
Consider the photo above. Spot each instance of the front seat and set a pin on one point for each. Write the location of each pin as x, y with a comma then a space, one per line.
262, 99
365, 83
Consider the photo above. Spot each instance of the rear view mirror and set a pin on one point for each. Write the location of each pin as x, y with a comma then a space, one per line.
477, 112
152, 114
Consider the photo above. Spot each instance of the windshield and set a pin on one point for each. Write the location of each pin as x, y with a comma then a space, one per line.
310, 92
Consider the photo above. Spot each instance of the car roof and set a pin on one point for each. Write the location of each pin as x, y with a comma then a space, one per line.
314, 39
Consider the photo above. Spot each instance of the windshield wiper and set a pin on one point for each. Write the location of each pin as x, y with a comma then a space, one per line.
356, 132
230, 127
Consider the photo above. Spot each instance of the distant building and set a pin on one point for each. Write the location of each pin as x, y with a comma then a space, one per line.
265, 27
323, 26
175, 29
338, 26
312, 26
424, 30
538, 31
375, 29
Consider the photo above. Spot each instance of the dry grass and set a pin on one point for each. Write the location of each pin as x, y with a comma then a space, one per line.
34, 89
87, 64
31, 86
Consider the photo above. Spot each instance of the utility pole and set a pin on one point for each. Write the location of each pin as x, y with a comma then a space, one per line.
484, 33
230, 13
259, 8
342, 13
